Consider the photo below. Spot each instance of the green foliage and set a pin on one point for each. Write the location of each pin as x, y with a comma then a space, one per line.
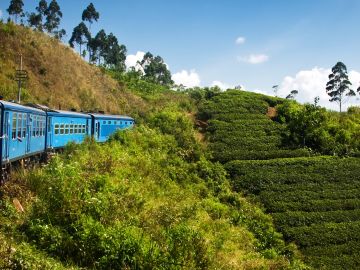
80, 35
312, 126
315, 202
155, 69
238, 127
136, 203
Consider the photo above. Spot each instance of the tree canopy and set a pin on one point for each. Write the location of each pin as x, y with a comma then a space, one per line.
80, 35
155, 69
16, 8
36, 19
53, 16
114, 53
90, 14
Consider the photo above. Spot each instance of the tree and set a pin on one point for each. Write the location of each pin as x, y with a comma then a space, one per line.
292, 94
114, 53
36, 20
53, 17
97, 46
80, 35
155, 69
90, 14
16, 8
275, 89
338, 86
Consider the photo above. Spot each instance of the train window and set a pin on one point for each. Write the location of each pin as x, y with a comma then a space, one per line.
83, 129
109, 122
19, 120
44, 127
56, 129
24, 125
120, 122
34, 126
40, 126
37, 125
76, 130
62, 129
104, 122
71, 128
115, 122
13, 135
66, 129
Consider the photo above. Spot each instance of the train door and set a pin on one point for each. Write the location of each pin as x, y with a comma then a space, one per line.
49, 133
97, 130
7, 136
28, 133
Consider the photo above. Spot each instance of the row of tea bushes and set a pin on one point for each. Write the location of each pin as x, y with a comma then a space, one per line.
314, 202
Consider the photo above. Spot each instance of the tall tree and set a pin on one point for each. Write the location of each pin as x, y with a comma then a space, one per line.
338, 86
114, 53
16, 8
90, 14
53, 17
80, 35
97, 46
36, 19
155, 69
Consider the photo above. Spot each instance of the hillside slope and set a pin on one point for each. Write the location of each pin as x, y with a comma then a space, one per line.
148, 199
314, 200
58, 77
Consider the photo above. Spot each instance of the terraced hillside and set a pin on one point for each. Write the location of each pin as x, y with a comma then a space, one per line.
239, 127
315, 202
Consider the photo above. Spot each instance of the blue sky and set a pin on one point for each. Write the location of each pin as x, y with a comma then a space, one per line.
292, 43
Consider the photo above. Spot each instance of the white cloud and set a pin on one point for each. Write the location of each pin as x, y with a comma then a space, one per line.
132, 59
187, 78
312, 83
221, 85
240, 40
254, 58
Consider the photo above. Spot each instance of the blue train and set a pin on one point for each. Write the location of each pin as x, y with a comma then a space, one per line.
27, 131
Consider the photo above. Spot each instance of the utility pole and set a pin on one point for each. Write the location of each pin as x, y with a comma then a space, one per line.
19, 92
21, 75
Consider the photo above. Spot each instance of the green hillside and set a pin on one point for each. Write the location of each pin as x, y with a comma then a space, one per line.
149, 199
239, 127
314, 201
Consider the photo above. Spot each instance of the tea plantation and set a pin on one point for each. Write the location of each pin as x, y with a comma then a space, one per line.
238, 127
314, 200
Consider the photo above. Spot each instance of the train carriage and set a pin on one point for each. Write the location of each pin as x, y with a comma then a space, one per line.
34, 131
104, 125
65, 127
22, 131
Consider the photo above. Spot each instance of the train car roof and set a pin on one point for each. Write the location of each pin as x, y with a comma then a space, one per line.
17, 107
111, 117
68, 114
